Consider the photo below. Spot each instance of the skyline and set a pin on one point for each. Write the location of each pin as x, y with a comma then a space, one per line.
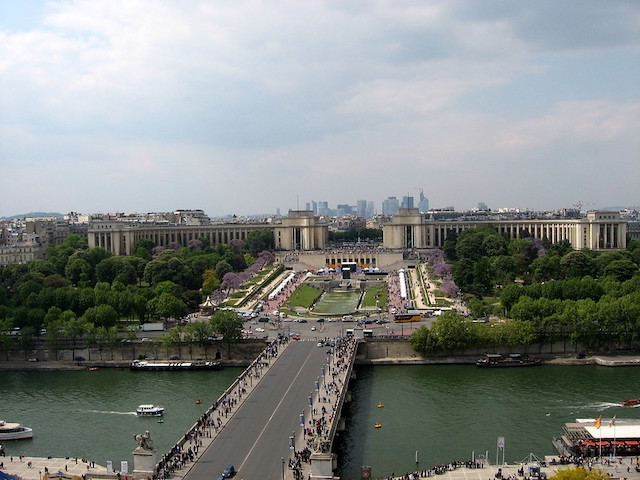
120, 106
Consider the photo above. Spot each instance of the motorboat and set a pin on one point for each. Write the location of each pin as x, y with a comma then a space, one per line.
380, 405
377, 425
494, 360
14, 431
149, 411
632, 402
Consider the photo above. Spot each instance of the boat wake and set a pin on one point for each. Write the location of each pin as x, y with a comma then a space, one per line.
601, 405
111, 412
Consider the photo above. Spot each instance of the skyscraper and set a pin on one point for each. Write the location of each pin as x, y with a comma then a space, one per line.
390, 206
423, 204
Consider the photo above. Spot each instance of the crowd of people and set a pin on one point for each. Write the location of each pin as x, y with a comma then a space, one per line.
214, 419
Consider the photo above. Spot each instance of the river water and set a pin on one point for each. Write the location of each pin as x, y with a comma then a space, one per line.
442, 412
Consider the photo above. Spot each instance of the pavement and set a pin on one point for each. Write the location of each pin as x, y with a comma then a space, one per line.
35, 468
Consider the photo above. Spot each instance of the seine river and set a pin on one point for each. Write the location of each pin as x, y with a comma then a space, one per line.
442, 412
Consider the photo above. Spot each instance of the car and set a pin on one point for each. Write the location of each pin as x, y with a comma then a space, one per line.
174, 357
302, 320
79, 359
320, 320
313, 329
263, 319
259, 330
229, 471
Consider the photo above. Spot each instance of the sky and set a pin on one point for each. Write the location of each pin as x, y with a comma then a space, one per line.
246, 107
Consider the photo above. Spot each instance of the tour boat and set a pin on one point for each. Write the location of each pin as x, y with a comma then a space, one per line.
149, 411
494, 360
632, 402
150, 365
14, 431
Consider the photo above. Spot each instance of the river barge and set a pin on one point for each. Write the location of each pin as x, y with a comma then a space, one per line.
592, 437
154, 365
495, 360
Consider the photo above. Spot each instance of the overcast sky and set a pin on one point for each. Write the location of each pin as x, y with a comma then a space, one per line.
242, 107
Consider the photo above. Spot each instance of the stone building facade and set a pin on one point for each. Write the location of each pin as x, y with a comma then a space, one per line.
598, 230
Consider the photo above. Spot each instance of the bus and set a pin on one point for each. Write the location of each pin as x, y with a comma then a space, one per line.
406, 317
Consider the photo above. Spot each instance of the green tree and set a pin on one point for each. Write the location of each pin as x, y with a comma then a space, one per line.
78, 271
453, 332
101, 316
423, 341
166, 306
259, 240
228, 324
621, 270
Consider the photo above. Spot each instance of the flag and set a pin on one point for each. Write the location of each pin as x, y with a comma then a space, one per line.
598, 422
612, 422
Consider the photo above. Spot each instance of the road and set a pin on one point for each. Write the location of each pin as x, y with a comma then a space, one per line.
257, 437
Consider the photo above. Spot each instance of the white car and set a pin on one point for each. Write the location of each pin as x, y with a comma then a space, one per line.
259, 329
313, 329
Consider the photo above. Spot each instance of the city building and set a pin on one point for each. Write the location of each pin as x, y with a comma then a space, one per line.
598, 230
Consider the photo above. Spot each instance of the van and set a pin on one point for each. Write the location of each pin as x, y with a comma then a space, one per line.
349, 332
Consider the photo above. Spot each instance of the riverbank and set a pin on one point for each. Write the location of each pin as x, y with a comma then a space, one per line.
624, 359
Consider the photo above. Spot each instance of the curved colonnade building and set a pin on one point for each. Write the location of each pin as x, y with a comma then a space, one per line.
598, 230
301, 231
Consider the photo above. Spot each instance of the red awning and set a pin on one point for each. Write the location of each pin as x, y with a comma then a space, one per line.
588, 444
602, 443
616, 442
631, 442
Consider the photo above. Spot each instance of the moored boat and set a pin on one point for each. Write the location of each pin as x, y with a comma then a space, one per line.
493, 360
14, 431
631, 402
151, 365
149, 411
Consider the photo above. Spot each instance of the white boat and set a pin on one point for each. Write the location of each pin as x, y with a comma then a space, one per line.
149, 411
14, 431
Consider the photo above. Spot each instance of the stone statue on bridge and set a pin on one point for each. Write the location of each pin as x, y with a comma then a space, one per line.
144, 441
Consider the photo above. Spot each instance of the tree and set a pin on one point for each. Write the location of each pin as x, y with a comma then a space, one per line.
78, 271
423, 341
259, 240
576, 264
452, 332
621, 270
101, 316
579, 473
228, 324
166, 306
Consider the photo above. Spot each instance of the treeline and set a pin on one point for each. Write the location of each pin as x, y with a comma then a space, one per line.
552, 293
76, 289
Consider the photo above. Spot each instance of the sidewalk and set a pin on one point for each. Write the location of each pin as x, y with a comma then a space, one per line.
323, 415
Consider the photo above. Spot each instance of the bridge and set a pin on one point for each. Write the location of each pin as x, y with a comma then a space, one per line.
277, 421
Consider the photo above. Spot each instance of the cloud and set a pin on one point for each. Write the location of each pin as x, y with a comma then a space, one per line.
132, 96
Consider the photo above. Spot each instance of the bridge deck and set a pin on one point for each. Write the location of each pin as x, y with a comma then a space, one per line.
251, 426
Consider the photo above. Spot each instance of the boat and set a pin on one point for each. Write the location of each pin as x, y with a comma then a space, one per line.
198, 401
377, 425
631, 402
494, 360
14, 431
380, 404
149, 411
152, 365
